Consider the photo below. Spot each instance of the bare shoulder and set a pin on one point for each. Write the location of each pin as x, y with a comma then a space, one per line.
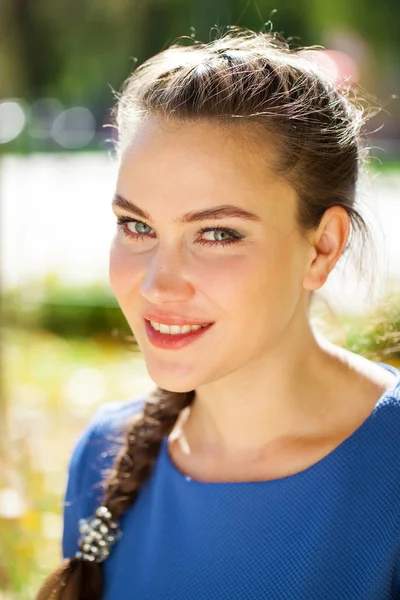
376, 377
359, 376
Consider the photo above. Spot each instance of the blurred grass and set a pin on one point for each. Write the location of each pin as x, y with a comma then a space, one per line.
52, 384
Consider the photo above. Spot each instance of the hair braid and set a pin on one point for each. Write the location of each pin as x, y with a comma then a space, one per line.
78, 579
142, 444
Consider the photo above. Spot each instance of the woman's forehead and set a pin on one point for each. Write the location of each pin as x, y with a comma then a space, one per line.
233, 142
217, 154
202, 164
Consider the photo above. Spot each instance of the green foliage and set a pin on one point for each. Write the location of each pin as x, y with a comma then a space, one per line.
376, 335
52, 386
69, 311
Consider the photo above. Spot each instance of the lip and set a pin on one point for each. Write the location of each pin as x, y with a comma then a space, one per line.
172, 319
173, 342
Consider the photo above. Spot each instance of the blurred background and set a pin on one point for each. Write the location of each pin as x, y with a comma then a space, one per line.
65, 345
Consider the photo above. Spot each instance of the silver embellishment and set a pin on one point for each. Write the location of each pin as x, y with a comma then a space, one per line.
98, 534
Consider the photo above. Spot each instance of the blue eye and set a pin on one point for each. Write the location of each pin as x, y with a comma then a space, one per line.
234, 236
122, 227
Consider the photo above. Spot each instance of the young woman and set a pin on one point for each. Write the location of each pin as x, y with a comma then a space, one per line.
265, 464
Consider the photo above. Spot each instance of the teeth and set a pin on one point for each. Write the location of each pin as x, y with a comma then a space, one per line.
175, 329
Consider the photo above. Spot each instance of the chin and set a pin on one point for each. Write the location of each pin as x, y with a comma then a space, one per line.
171, 386
170, 380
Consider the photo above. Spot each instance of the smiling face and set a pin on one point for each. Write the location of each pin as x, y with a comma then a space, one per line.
251, 288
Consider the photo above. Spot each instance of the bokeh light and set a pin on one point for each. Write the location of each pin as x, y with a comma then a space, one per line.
42, 115
336, 65
74, 128
12, 120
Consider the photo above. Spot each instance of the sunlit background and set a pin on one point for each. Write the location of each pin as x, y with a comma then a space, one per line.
65, 345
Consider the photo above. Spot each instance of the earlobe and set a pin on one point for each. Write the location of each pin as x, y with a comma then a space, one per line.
329, 242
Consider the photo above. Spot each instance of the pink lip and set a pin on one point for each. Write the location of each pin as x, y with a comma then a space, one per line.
173, 342
172, 319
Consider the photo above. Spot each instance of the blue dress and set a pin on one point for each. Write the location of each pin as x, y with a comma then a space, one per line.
330, 532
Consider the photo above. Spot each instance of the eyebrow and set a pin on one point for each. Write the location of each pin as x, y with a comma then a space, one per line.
216, 212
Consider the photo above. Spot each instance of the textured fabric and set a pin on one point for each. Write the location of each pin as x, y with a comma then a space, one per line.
329, 532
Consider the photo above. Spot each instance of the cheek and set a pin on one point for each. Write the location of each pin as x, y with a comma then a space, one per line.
124, 270
222, 278
239, 285
265, 288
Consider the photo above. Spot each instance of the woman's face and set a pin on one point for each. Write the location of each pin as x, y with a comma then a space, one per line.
251, 288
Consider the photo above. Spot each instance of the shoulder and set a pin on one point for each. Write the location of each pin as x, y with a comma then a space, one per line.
91, 461
384, 421
103, 436
373, 449
389, 403
111, 418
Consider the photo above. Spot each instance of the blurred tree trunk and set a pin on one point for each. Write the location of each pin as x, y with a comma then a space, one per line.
39, 58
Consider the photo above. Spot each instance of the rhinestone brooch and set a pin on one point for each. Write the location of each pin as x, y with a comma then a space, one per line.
98, 534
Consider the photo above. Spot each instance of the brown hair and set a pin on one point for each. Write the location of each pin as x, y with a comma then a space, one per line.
274, 90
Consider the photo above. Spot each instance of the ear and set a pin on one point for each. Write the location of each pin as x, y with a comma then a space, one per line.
328, 242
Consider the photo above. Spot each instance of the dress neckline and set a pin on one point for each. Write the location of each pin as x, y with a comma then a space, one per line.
393, 392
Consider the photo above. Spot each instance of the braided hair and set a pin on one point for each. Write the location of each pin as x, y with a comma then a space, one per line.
82, 579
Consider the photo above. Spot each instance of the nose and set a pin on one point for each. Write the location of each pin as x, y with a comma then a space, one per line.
166, 278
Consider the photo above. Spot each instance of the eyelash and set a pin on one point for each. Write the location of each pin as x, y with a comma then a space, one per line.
237, 237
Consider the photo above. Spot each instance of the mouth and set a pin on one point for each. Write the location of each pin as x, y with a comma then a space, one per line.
174, 340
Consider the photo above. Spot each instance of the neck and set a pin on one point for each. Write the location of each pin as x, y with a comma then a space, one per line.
279, 394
